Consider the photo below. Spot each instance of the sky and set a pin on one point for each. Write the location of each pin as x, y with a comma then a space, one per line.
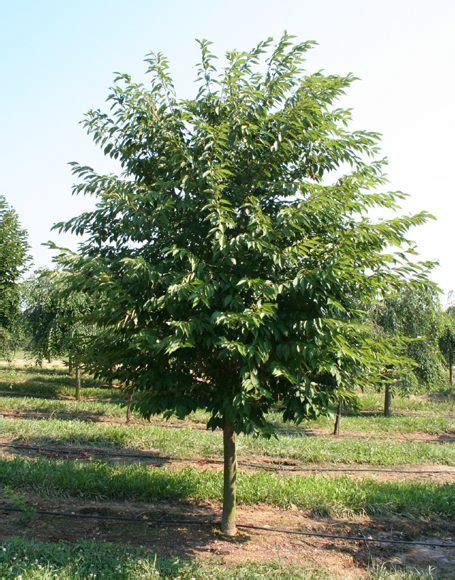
57, 60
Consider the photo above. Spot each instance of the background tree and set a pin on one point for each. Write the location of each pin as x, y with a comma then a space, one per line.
231, 262
13, 262
447, 339
412, 318
54, 319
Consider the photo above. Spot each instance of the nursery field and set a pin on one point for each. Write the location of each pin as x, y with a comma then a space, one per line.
83, 493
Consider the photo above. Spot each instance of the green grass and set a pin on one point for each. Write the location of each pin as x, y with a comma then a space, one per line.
57, 408
92, 410
192, 443
51, 383
32, 560
337, 496
433, 404
374, 425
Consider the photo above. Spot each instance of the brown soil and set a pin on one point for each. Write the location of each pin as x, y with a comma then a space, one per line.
346, 559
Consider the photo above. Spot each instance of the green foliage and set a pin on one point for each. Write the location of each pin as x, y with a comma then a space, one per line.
413, 318
447, 338
233, 259
13, 262
54, 317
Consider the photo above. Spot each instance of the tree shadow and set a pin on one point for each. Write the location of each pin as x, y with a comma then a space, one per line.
86, 449
390, 557
111, 541
58, 388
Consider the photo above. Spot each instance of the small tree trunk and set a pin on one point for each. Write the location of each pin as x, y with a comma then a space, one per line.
450, 365
128, 409
336, 428
228, 521
78, 383
387, 400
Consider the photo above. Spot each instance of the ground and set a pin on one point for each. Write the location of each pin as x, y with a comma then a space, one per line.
380, 479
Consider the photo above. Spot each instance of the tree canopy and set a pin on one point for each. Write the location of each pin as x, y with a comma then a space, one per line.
414, 315
55, 319
234, 256
13, 262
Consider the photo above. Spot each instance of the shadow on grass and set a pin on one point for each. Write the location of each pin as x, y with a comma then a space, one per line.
176, 545
86, 450
57, 388
27, 370
60, 550
139, 482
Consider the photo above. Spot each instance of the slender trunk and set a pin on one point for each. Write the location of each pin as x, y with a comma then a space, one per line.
228, 521
78, 382
450, 365
387, 400
336, 428
128, 409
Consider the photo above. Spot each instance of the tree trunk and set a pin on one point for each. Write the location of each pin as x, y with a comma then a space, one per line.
336, 428
228, 521
450, 365
78, 382
128, 409
387, 400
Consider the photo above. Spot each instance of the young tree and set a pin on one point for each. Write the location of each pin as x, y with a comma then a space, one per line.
54, 318
447, 339
412, 318
230, 259
13, 262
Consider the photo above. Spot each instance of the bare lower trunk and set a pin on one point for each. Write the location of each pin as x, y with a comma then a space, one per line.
336, 428
128, 409
228, 522
388, 401
78, 383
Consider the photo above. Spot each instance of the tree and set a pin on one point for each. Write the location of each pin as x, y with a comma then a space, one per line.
230, 260
55, 321
447, 339
13, 262
412, 318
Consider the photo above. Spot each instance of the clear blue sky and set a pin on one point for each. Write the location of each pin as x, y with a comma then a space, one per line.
57, 58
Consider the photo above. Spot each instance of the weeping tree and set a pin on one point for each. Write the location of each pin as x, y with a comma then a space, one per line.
412, 319
233, 257
55, 321
447, 340
13, 262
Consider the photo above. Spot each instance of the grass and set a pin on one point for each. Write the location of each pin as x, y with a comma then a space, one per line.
192, 443
51, 383
338, 496
32, 560
90, 410
433, 404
